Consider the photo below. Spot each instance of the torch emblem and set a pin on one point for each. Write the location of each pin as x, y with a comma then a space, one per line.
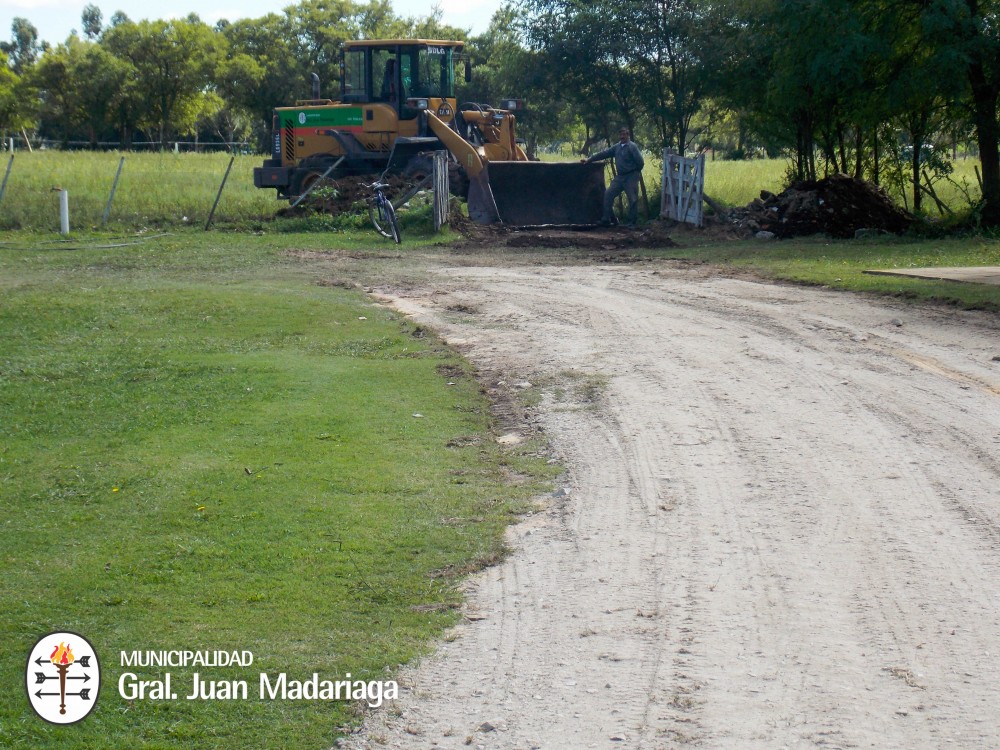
63, 678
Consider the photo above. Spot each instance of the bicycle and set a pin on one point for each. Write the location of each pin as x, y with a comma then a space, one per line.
382, 214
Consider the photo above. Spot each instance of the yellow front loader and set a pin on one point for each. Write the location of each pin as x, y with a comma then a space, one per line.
397, 104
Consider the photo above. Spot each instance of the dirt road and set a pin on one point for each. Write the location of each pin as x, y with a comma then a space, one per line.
782, 527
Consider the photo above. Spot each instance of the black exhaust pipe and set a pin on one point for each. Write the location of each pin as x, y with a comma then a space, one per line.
315, 85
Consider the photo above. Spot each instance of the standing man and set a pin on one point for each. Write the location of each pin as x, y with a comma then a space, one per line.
629, 164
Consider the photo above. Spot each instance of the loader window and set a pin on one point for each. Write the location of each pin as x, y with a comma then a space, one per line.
386, 81
355, 87
428, 71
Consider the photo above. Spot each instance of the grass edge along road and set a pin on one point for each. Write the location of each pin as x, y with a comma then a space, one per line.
841, 264
209, 444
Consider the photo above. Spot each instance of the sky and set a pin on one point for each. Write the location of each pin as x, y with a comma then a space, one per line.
55, 19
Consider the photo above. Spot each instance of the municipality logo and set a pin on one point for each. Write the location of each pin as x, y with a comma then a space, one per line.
63, 678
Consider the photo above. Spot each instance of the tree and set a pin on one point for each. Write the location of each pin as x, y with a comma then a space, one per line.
588, 56
235, 82
642, 63
966, 38
14, 99
504, 68
58, 102
283, 78
675, 56
81, 87
431, 27
91, 20
175, 63
23, 50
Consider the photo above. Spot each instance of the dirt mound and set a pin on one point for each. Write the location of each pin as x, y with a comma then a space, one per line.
652, 235
341, 195
838, 206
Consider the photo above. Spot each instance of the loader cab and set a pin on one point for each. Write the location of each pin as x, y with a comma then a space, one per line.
408, 75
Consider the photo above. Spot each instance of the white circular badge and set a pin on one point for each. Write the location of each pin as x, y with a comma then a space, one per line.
63, 677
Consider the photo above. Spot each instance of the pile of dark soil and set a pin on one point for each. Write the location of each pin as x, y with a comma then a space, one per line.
651, 235
341, 195
838, 206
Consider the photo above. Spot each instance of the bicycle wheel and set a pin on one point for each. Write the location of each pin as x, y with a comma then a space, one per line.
378, 212
390, 213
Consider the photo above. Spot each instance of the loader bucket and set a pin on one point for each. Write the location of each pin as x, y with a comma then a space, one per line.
529, 193
482, 207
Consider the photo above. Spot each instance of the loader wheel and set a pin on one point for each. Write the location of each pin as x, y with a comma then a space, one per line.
303, 180
421, 166
418, 168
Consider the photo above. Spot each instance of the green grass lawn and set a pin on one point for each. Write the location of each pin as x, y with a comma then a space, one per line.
204, 445
841, 264
208, 442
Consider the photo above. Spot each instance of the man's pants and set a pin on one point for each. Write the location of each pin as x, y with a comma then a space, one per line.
623, 183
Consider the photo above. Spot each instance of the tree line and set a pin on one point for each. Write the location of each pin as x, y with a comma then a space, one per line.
880, 89
175, 78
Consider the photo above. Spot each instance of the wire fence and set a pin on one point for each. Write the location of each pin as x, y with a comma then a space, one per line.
15, 143
131, 190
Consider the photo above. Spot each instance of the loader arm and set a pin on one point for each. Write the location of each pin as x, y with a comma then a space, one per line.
482, 206
463, 151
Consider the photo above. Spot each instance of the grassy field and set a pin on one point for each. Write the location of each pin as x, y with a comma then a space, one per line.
155, 190
174, 190
209, 443
736, 183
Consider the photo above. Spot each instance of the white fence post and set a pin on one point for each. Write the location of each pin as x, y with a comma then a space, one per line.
63, 212
683, 188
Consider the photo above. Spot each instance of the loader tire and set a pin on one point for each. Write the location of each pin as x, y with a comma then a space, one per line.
302, 180
421, 166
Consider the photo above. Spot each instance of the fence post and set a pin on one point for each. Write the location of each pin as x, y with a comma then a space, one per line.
225, 177
3, 187
442, 190
114, 187
63, 211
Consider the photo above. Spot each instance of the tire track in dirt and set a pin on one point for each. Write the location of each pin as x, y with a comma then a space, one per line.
782, 529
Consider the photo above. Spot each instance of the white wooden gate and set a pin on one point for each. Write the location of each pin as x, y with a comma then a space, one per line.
683, 188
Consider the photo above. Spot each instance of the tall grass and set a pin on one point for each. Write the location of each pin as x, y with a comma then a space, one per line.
736, 183
155, 190
167, 189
